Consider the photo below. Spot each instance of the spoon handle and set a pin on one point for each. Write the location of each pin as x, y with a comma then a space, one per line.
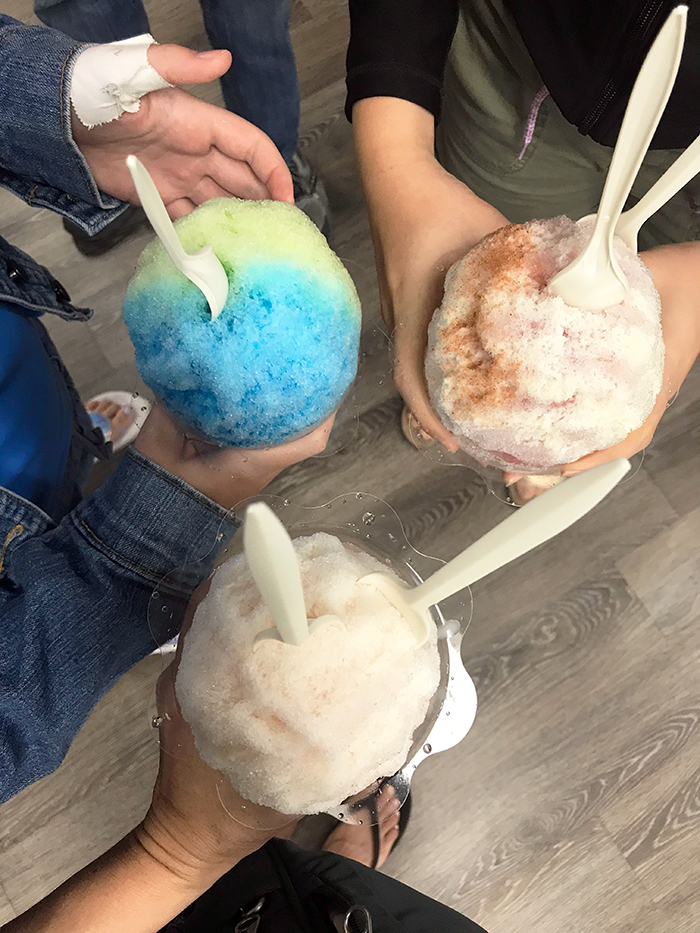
538, 521
273, 564
646, 105
680, 173
155, 210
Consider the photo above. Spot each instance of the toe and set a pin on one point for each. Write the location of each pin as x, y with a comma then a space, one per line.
121, 420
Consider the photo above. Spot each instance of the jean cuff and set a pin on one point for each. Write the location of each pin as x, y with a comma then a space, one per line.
41, 162
155, 525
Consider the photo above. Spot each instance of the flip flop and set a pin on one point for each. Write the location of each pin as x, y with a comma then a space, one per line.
370, 804
404, 817
140, 406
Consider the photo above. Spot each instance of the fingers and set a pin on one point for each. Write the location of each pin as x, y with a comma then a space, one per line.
239, 140
410, 381
236, 176
249, 188
180, 208
299, 449
178, 65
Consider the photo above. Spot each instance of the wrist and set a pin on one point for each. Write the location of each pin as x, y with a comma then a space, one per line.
170, 864
188, 854
226, 476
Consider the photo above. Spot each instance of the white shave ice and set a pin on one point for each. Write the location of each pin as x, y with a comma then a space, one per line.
301, 728
524, 380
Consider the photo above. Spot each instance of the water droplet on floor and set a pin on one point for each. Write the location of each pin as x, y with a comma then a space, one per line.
286, 502
157, 721
427, 748
358, 495
329, 506
391, 537
368, 518
340, 816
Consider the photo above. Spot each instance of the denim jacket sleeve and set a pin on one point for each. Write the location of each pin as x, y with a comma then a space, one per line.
77, 607
39, 160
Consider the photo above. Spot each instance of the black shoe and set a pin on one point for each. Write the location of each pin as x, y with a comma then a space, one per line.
122, 227
310, 193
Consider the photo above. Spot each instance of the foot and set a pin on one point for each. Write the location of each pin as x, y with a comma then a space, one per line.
357, 842
310, 193
113, 420
118, 230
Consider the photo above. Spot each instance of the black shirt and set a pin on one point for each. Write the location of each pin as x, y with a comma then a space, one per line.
588, 53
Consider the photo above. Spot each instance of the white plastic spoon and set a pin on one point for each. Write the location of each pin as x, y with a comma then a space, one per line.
538, 521
202, 268
680, 173
594, 279
273, 564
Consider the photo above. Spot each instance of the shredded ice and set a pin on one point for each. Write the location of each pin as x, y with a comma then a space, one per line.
283, 351
526, 381
302, 728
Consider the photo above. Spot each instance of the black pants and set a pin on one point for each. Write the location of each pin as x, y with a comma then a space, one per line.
303, 890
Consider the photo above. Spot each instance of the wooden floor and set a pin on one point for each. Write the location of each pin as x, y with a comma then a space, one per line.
574, 803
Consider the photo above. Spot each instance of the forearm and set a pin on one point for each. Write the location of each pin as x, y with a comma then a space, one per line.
411, 198
390, 133
74, 605
137, 885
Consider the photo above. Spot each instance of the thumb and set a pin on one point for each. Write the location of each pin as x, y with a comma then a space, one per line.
178, 65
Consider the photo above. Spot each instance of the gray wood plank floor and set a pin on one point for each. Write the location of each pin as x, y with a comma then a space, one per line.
574, 802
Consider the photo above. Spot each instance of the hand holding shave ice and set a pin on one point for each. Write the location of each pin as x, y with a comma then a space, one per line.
523, 379
301, 727
526, 382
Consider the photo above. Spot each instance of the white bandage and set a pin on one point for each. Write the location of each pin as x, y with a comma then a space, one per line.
110, 79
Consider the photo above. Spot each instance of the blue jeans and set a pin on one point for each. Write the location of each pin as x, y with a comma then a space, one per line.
261, 85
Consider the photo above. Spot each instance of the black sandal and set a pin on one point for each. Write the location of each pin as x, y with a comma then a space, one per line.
404, 816
369, 803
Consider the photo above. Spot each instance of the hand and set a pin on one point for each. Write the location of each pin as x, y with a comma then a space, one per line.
227, 475
193, 150
187, 827
676, 272
184, 844
423, 220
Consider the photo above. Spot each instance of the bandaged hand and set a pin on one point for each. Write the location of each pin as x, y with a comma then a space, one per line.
124, 102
